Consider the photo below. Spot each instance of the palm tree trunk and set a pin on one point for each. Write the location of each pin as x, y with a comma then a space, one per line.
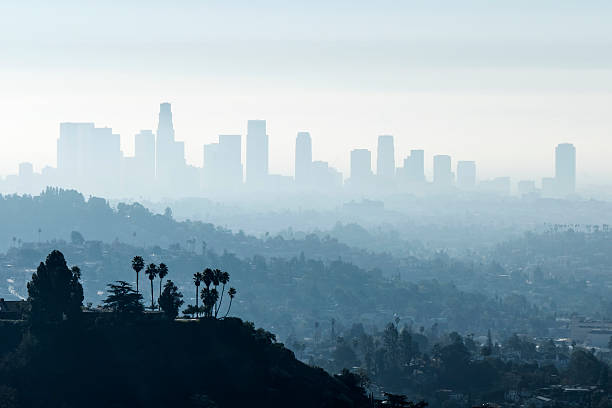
160, 293
220, 300
152, 296
229, 307
136, 282
197, 309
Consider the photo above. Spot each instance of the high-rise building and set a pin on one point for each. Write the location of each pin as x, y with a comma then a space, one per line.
256, 153
144, 155
565, 169
466, 174
442, 174
327, 178
89, 158
223, 163
230, 149
303, 159
414, 167
170, 163
361, 165
385, 159
73, 148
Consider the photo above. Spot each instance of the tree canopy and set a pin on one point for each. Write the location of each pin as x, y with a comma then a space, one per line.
55, 292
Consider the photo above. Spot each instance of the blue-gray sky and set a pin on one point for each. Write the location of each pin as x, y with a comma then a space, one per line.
499, 82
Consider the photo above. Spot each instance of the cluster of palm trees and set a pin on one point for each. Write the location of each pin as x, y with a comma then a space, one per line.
211, 298
152, 271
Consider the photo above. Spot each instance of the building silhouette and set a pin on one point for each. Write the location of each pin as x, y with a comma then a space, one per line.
223, 164
256, 153
89, 158
466, 174
170, 169
361, 165
414, 167
303, 159
442, 173
385, 158
565, 169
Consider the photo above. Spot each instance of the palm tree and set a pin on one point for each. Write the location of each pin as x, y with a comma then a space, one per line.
137, 265
151, 272
162, 272
231, 292
197, 279
223, 279
208, 277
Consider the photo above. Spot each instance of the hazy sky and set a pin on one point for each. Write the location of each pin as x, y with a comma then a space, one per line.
499, 82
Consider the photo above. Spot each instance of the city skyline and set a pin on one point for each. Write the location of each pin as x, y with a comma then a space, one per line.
346, 72
91, 159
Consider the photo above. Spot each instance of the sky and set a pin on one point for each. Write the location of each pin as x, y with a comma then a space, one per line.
499, 82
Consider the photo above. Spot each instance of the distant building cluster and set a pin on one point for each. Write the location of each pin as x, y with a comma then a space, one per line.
90, 159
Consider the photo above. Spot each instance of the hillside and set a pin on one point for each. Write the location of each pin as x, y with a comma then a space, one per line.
160, 363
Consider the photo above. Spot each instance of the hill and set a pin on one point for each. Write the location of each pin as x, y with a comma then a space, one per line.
159, 363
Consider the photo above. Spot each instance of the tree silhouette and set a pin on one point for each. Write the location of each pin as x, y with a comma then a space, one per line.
55, 292
123, 300
197, 279
151, 272
209, 299
170, 300
231, 292
223, 279
162, 271
137, 265
207, 278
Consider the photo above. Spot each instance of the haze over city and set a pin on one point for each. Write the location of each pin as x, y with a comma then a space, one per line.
322, 204
450, 79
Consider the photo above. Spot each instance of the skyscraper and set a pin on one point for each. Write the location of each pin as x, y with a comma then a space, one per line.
223, 163
414, 167
466, 174
230, 150
385, 159
565, 168
170, 163
303, 158
144, 155
442, 174
256, 153
361, 165
88, 158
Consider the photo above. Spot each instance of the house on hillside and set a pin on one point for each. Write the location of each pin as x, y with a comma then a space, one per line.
13, 309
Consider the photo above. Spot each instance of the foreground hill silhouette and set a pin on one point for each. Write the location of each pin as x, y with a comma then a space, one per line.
225, 363
72, 358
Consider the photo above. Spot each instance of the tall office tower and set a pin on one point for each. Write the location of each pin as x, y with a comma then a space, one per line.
144, 155
88, 158
414, 166
170, 155
385, 159
222, 163
230, 150
73, 147
443, 176
361, 165
466, 174
303, 159
211, 169
256, 153
565, 168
